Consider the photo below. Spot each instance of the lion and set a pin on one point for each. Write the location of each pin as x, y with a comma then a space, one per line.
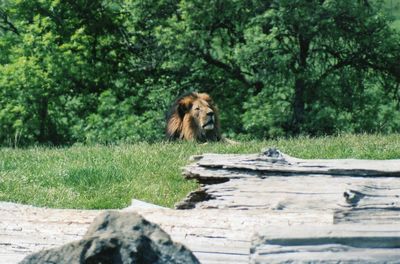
193, 117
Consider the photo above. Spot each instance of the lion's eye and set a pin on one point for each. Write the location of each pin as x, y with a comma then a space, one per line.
197, 108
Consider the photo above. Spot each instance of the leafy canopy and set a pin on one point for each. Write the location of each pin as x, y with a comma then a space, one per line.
102, 71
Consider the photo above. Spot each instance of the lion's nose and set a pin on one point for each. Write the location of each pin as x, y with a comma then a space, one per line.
211, 113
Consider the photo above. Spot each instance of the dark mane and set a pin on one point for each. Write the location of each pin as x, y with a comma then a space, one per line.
174, 107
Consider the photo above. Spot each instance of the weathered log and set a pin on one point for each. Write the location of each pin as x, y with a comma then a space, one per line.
327, 244
272, 162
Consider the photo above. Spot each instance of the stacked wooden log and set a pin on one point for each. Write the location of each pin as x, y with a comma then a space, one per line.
327, 211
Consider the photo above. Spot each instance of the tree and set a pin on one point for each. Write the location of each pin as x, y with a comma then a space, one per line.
269, 46
106, 71
68, 53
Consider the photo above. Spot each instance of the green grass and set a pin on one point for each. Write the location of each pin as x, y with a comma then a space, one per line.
110, 176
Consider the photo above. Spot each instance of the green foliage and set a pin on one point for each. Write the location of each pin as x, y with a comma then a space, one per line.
117, 122
102, 71
262, 118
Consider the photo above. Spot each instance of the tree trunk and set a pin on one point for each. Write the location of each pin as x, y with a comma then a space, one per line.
298, 104
43, 113
300, 84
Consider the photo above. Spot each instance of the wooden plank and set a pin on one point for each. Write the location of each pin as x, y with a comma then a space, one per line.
25, 229
261, 164
141, 204
212, 258
327, 244
233, 220
381, 235
325, 254
220, 233
376, 201
304, 193
367, 216
10, 259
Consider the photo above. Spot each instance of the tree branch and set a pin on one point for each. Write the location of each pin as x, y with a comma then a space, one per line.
8, 25
332, 69
233, 71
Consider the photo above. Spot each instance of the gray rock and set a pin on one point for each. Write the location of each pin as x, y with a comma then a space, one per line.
116, 237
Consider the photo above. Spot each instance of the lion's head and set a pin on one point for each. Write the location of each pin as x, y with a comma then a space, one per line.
193, 116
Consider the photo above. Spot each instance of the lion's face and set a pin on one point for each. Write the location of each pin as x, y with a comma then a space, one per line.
203, 114
194, 116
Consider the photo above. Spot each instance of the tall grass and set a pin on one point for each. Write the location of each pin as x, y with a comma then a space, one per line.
110, 176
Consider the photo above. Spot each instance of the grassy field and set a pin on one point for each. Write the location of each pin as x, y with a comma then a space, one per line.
110, 176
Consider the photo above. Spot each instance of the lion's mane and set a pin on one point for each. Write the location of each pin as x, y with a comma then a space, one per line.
183, 124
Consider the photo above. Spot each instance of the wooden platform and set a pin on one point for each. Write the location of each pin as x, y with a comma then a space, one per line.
259, 208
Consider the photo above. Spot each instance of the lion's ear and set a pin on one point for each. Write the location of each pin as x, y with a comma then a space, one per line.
184, 106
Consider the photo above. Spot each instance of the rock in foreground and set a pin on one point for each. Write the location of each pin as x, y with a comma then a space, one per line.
116, 237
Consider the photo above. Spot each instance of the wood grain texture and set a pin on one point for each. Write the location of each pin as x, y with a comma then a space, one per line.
352, 193
327, 244
262, 164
